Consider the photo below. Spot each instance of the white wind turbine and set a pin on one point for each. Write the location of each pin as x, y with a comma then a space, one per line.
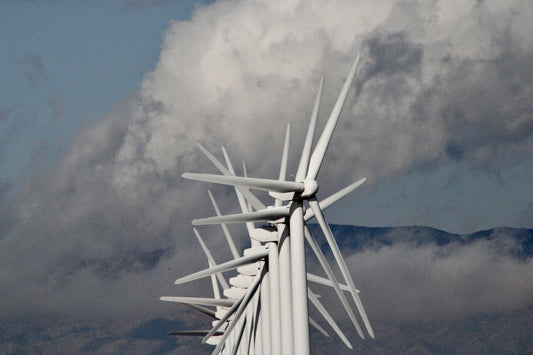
276, 263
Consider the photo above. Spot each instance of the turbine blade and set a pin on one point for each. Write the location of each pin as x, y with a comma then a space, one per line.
250, 329
256, 321
340, 261
268, 214
199, 301
212, 263
323, 281
201, 309
229, 265
318, 327
245, 174
314, 300
237, 309
230, 241
243, 203
214, 160
320, 150
284, 158
306, 152
245, 206
255, 183
334, 283
244, 170
228, 314
330, 200
244, 191
239, 337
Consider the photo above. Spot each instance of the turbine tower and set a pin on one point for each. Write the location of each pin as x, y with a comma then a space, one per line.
265, 307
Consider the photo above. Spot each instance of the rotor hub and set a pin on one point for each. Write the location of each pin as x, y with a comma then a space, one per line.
310, 188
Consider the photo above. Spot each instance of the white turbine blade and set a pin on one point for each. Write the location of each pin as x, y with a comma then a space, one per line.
214, 160
239, 337
245, 174
249, 331
268, 214
318, 327
214, 285
306, 152
199, 301
255, 183
229, 265
314, 300
330, 200
238, 311
257, 324
284, 158
245, 204
228, 314
212, 263
222, 320
340, 261
320, 150
231, 244
228, 161
326, 282
334, 283
201, 309
244, 191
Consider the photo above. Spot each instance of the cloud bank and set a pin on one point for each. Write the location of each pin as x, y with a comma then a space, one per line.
407, 282
439, 81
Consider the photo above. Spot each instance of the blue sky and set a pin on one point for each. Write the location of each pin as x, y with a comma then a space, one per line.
67, 64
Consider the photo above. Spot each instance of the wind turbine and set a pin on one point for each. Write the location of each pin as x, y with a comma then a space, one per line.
276, 261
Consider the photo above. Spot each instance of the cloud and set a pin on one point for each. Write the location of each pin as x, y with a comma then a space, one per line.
429, 282
438, 81
437, 84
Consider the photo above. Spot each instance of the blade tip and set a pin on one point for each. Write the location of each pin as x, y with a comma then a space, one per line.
371, 333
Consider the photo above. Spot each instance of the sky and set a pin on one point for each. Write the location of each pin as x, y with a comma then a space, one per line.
65, 64
68, 64
102, 103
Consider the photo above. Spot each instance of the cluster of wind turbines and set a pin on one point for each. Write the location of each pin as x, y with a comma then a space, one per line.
264, 309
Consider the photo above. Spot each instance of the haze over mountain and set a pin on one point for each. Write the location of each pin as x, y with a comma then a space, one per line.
425, 290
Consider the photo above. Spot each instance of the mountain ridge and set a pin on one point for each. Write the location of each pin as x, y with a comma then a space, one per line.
354, 238
500, 332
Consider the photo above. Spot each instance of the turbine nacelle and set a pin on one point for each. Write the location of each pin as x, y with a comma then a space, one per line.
308, 189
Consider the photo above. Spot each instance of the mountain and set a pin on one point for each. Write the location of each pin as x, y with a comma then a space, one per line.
483, 278
353, 238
